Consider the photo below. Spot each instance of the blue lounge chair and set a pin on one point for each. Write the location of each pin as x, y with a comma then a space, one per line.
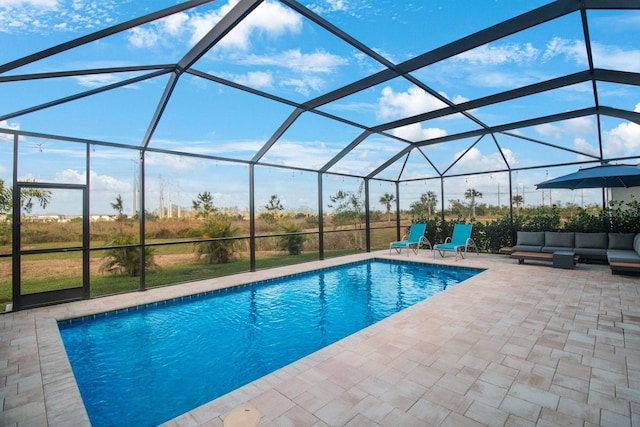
412, 241
460, 243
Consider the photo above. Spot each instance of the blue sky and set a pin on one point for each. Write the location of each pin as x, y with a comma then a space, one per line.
279, 52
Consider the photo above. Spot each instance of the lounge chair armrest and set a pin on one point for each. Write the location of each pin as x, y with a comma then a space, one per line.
447, 240
425, 242
471, 245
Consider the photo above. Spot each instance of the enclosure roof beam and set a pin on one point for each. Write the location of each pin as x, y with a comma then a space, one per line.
222, 28
371, 53
72, 73
510, 126
622, 77
391, 161
530, 19
228, 22
556, 83
82, 95
345, 151
548, 144
278, 133
181, 7
632, 116
610, 4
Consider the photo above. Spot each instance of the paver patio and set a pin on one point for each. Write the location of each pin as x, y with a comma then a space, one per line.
517, 345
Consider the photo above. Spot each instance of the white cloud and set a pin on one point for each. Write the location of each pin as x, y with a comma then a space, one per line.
45, 16
175, 24
304, 85
169, 162
270, 18
98, 182
6, 125
503, 54
41, 4
579, 126
581, 144
317, 62
307, 66
571, 49
255, 79
410, 103
236, 149
459, 99
475, 160
329, 6
415, 132
499, 79
604, 56
97, 80
623, 140
549, 130
142, 37
312, 154
613, 57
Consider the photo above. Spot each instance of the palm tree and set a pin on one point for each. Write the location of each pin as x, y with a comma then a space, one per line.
518, 200
26, 198
119, 207
472, 194
386, 200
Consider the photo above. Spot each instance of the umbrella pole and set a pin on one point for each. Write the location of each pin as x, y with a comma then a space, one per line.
604, 210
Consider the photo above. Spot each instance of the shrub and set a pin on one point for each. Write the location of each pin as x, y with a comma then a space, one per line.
583, 221
292, 242
126, 259
492, 236
543, 218
5, 232
217, 251
623, 217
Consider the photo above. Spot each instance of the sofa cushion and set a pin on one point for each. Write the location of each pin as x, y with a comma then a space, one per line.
595, 254
621, 240
529, 241
622, 255
591, 240
636, 243
559, 239
530, 238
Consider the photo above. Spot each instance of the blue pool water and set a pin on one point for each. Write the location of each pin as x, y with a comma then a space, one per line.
146, 365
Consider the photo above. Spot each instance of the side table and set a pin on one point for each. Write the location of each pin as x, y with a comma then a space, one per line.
563, 259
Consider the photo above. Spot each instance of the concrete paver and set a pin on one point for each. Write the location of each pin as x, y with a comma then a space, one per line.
517, 345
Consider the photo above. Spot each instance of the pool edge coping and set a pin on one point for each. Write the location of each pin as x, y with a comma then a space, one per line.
57, 375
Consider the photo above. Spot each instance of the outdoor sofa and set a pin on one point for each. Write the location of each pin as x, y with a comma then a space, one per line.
620, 250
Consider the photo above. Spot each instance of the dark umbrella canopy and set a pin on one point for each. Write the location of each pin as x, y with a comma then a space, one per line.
603, 176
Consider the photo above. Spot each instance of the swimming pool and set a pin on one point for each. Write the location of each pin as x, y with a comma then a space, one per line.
146, 365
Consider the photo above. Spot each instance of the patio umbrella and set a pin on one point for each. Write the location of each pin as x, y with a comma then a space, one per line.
603, 176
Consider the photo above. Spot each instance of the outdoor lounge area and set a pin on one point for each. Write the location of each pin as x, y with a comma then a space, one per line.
158, 150
621, 251
515, 345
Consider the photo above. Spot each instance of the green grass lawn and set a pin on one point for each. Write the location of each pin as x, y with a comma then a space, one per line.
108, 284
